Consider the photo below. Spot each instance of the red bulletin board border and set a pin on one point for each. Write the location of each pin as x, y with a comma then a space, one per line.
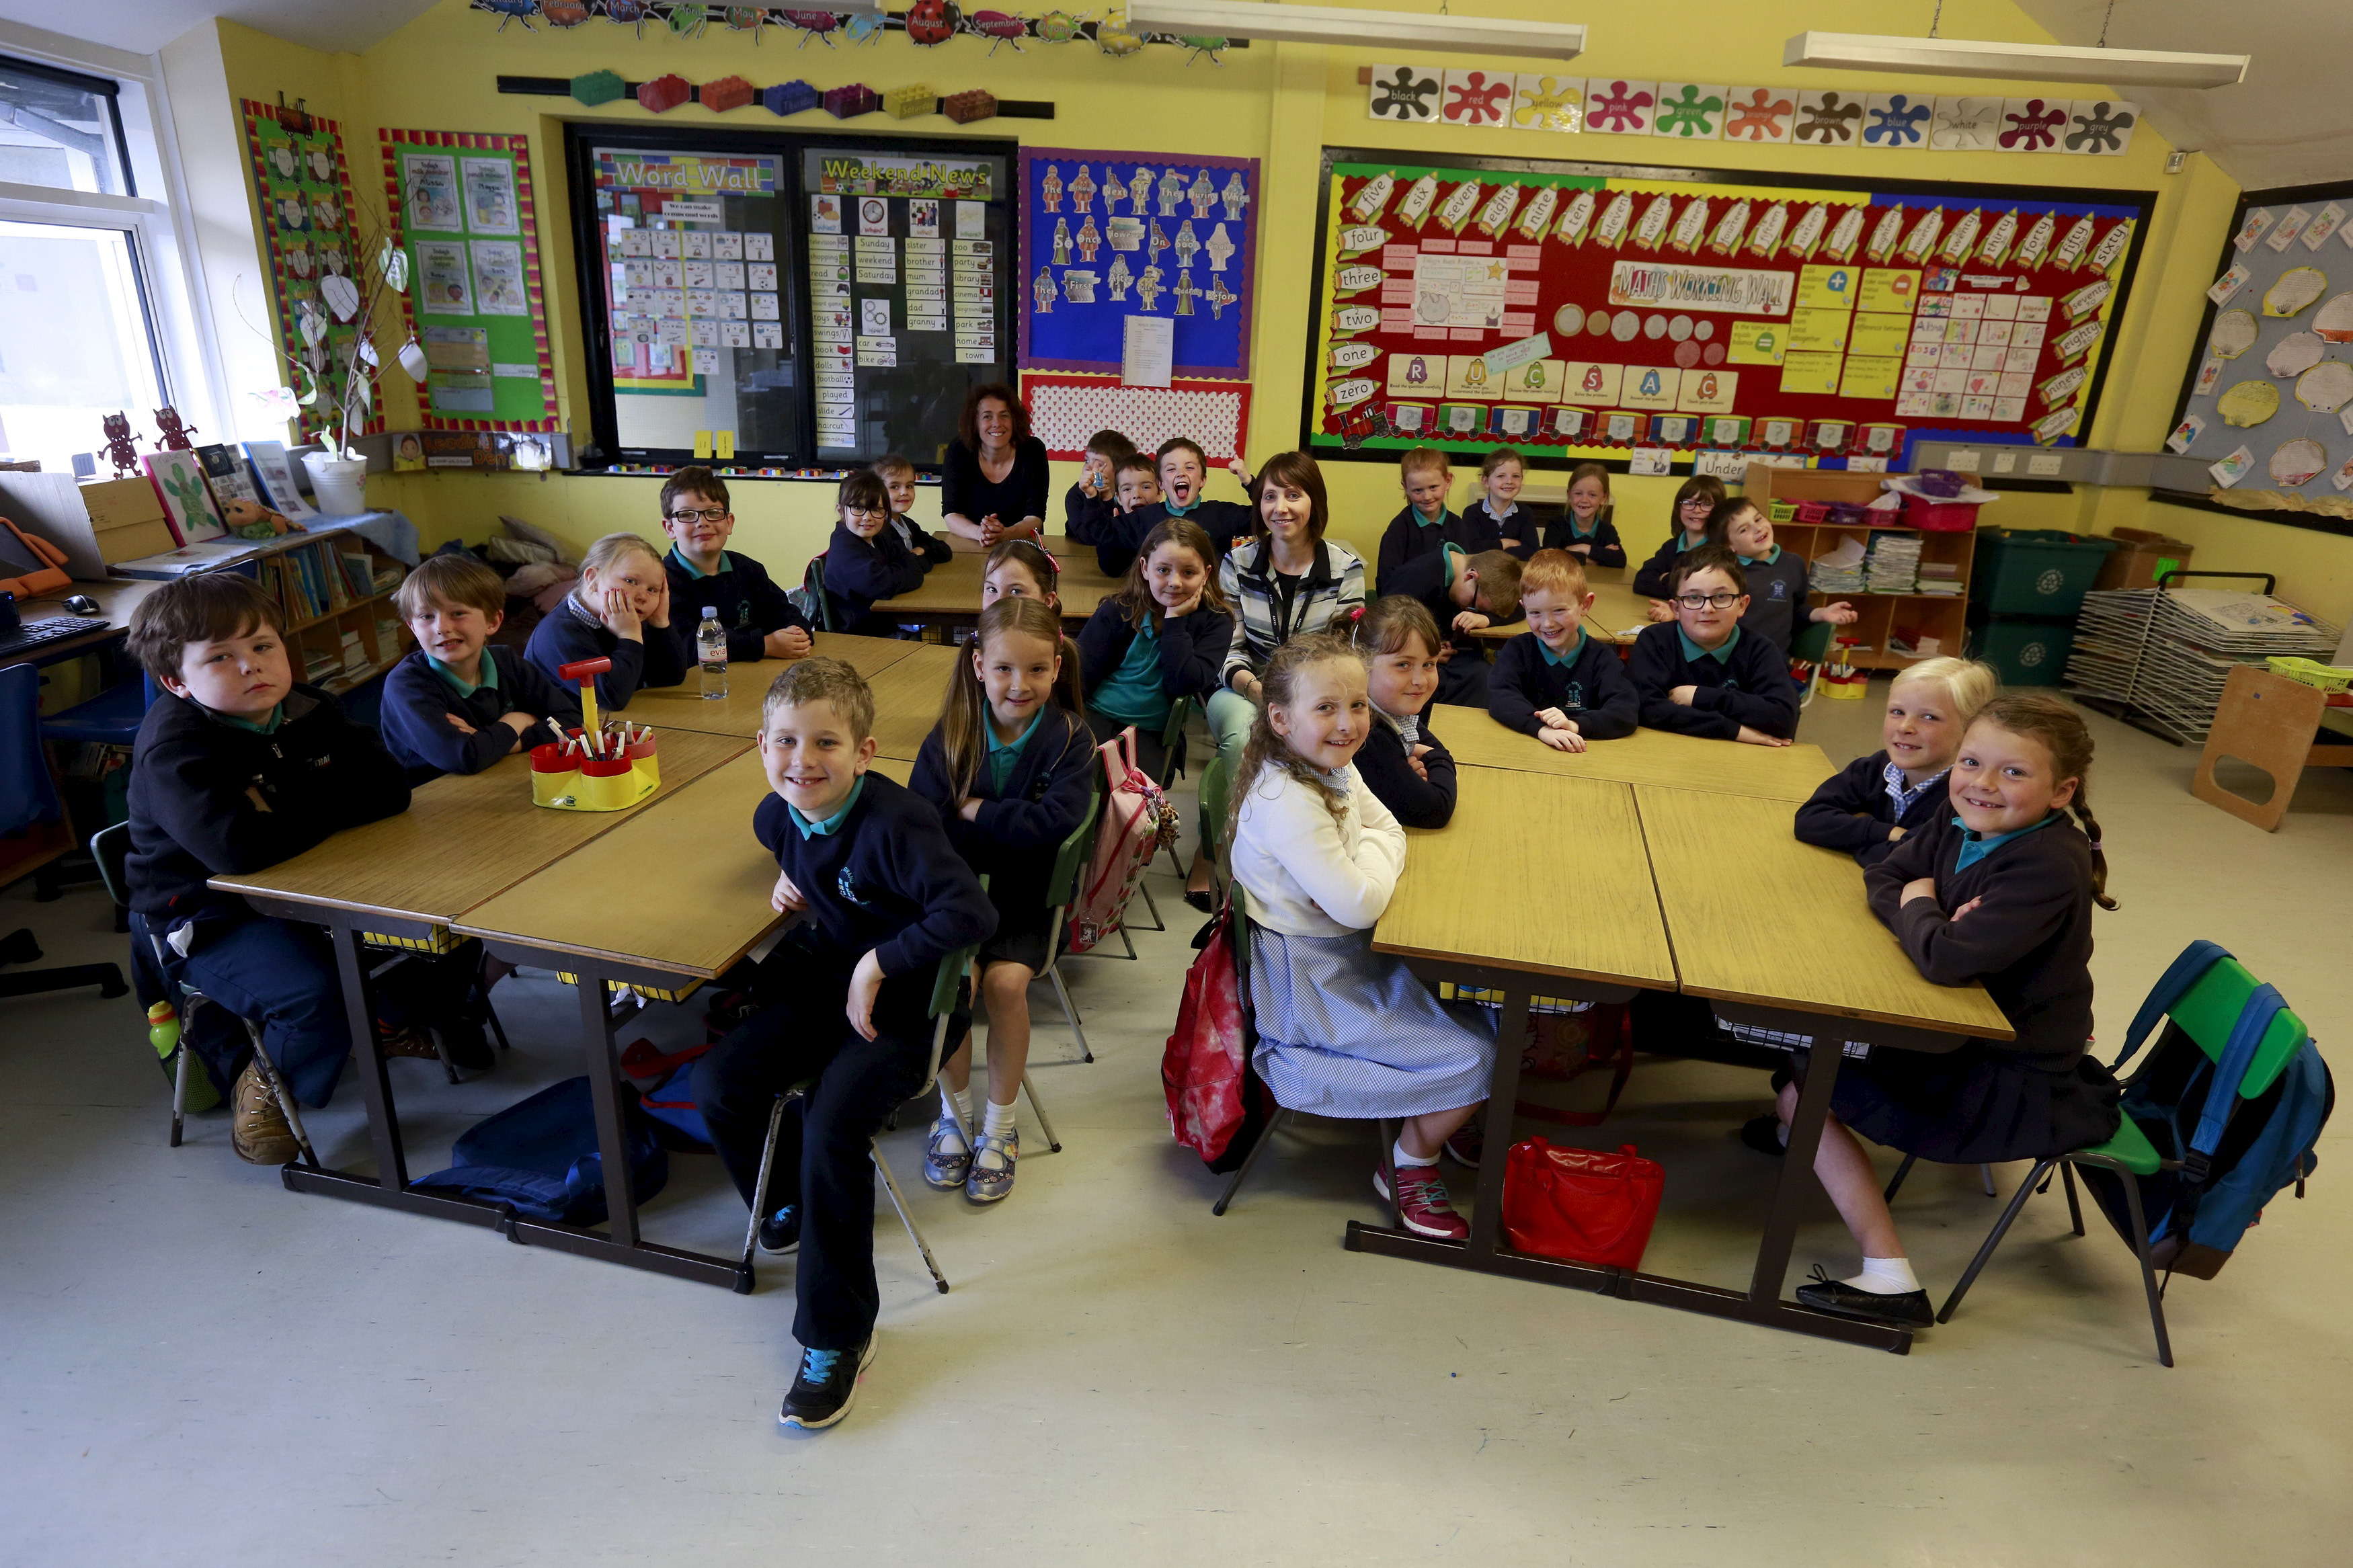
535, 293
1064, 410
1676, 220
289, 340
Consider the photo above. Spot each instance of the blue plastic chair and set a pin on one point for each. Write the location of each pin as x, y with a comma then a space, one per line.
33, 833
109, 719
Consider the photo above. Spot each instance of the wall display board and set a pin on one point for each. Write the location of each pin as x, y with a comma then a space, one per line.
461, 208
1065, 411
305, 195
1110, 236
773, 300
1661, 318
2267, 402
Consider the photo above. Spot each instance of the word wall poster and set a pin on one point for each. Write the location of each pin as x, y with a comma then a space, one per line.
1664, 318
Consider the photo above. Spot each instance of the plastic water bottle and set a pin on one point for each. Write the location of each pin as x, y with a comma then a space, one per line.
163, 1029
710, 652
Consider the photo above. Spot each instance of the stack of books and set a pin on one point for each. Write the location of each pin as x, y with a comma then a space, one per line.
1941, 578
1894, 563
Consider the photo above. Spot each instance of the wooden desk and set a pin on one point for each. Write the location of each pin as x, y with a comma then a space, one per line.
1060, 546
1788, 773
683, 707
908, 697
950, 596
116, 596
1782, 939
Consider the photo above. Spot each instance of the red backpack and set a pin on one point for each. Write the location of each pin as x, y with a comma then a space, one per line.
1214, 1097
1137, 820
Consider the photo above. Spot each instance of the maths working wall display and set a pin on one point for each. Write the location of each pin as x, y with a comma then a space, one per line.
304, 190
2267, 402
1108, 236
1669, 317
461, 208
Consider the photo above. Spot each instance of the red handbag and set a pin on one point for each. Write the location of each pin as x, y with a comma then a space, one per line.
1205, 1072
1580, 1204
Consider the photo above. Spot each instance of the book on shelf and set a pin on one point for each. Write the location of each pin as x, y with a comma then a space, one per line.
359, 577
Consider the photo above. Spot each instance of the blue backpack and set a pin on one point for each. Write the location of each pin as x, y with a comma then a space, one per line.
539, 1157
2225, 1157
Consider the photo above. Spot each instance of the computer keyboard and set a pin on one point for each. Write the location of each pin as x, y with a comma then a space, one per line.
35, 634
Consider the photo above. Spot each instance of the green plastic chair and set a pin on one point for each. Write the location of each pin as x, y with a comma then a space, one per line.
944, 1000
1172, 741
2205, 1013
1812, 644
1062, 888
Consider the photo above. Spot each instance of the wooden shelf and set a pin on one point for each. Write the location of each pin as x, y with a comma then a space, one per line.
347, 609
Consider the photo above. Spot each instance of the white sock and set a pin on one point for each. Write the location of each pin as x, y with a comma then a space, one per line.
955, 1102
1887, 1277
998, 1124
1400, 1155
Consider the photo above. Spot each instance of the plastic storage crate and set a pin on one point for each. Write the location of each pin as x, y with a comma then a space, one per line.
2023, 652
2035, 570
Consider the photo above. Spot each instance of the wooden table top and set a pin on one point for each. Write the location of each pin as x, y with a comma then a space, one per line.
1058, 545
1616, 615
116, 598
683, 707
908, 697
464, 840
1787, 773
1755, 916
682, 888
1575, 845
952, 591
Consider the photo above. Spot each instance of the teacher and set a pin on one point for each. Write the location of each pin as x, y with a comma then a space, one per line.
993, 485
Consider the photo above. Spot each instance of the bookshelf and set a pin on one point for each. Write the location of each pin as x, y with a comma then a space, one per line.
1880, 617
336, 591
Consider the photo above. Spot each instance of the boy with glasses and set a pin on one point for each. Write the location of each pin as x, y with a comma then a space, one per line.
761, 621
1702, 675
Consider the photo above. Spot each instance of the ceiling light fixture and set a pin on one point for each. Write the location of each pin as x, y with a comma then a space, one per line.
2028, 62
1347, 25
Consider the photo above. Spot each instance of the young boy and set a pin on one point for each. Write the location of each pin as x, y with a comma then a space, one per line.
1556, 683
1462, 592
1182, 468
1776, 580
457, 705
1425, 524
237, 768
1135, 487
882, 898
897, 477
1088, 505
704, 574
1703, 675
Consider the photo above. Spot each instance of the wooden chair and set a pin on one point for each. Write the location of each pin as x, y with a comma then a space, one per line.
2268, 722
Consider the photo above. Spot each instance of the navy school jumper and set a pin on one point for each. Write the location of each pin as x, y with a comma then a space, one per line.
1120, 535
1192, 648
861, 571
1749, 684
1656, 577
1529, 523
1410, 537
1592, 689
419, 702
569, 634
1414, 801
1851, 812
1777, 598
1013, 839
1602, 545
747, 600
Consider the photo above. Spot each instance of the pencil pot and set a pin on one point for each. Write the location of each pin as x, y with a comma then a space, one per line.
1582, 1206
607, 784
555, 777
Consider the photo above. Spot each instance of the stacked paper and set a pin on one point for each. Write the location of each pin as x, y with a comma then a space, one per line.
1839, 570
1942, 578
1894, 562
2160, 655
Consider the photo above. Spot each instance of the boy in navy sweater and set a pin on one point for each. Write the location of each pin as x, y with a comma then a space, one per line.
1093, 502
1135, 488
882, 898
235, 769
1425, 524
865, 561
457, 704
1462, 592
1556, 683
1703, 675
705, 574
1182, 468
1776, 580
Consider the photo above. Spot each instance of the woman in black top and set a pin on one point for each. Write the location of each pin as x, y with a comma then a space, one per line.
993, 483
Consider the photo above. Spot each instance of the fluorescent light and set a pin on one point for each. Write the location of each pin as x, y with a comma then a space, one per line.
1345, 24
2028, 62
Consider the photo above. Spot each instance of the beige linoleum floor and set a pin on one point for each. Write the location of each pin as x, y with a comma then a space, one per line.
198, 1367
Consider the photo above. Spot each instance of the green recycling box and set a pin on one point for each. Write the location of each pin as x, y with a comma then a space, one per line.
2035, 570
2024, 651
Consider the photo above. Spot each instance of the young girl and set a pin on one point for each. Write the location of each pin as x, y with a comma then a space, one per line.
864, 562
1289, 580
897, 477
1497, 513
2002, 893
1777, 579
1020, 569
1343, 1031
1161, 638
620, 611
1404, 764
1010, 767
1687, 527
1869, 808
1586, 530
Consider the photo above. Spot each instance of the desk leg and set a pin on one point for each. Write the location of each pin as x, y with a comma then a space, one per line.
1797, 1176
1503, 1099
376, 1079
596, 1043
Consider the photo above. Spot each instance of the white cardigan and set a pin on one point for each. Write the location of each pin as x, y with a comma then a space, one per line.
1306, 874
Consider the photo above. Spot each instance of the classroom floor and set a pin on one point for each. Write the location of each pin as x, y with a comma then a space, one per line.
203, 1368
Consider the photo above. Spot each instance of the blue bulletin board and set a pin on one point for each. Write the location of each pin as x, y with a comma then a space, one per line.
1105, 236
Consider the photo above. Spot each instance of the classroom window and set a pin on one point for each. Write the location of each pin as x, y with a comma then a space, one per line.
62, 130
76, 339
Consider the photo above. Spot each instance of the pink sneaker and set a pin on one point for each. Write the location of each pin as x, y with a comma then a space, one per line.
1422, 1203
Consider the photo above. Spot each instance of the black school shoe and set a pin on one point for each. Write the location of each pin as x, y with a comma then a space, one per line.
781, 1231
1763, 1133
1902, 1309
826, 1385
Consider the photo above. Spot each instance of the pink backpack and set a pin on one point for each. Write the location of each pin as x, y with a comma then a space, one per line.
1137, 820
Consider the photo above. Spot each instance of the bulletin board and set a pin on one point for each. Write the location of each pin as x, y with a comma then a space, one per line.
1663, 320
304, 190
461, 208
2267, 402
1110, 236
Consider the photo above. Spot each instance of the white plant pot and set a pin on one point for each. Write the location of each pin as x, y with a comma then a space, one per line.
339, 485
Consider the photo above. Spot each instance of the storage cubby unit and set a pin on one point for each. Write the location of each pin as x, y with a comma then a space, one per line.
336, 591
1880, 617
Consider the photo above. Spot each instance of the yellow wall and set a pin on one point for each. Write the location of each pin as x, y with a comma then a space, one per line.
1280, 104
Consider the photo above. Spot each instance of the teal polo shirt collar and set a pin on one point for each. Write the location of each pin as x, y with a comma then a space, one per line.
1168, 504
1693, 652
1685, 542
678, 560
263, 726
1562, 660
831, 824
1576, 533
1976, 846
1437, 522
1453, 556
1005, 755
490, 672
1762, 560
